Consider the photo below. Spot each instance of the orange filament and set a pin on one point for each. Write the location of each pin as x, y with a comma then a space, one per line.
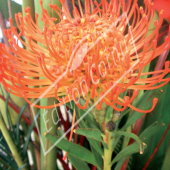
97, 52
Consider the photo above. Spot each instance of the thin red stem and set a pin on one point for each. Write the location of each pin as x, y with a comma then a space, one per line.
93, 167
82, 138
124, 166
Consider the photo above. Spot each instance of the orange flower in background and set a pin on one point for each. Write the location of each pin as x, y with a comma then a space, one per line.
96, 54
163, 4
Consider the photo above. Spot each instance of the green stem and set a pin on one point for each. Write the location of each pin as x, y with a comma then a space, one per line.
48, 162
10, 143
52, 118
30, 4
108, 152
43, 130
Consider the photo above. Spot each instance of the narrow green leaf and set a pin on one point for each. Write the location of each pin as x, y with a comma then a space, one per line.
7, 112
92, 141
132, 119
96, 145
89, 118
1, 90
116, 144
73, 149
129, 150
82, 123
130, 135
133, 148
22, 167
94, 137
160, 114
78, 163
98, 158
29, 133
109, 113
91, 133
166, 162
7, 162
10, 142
150, 131
18, 122
70, 104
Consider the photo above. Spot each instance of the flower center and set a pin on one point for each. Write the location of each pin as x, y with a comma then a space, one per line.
91, 44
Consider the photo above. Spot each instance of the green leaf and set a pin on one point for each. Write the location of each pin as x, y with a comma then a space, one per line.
18, 122
132, 119
91, 133
22, 167
161, 113
128, 134
93, 142
166, 162
145, 136
94, 137
7, 162
1, 90
98, 157
129, 150
7, 112
90, 120
86, 120
96, 145
15, 7
73, 149
109, 113
88, 117
29, 133
78, 163
117, 144
150, 131
135, 147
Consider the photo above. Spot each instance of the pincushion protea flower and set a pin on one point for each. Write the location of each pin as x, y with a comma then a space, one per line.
85, 56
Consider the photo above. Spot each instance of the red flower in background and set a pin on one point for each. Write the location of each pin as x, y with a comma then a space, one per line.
163, 5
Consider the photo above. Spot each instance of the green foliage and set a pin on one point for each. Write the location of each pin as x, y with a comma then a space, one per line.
5, 152
73, 149
28, 135
18, 137
166, 162
11, 98
15, 7
161, 114
21, 167
78, 163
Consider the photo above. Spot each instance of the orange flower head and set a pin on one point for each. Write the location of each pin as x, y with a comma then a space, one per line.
95, 56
